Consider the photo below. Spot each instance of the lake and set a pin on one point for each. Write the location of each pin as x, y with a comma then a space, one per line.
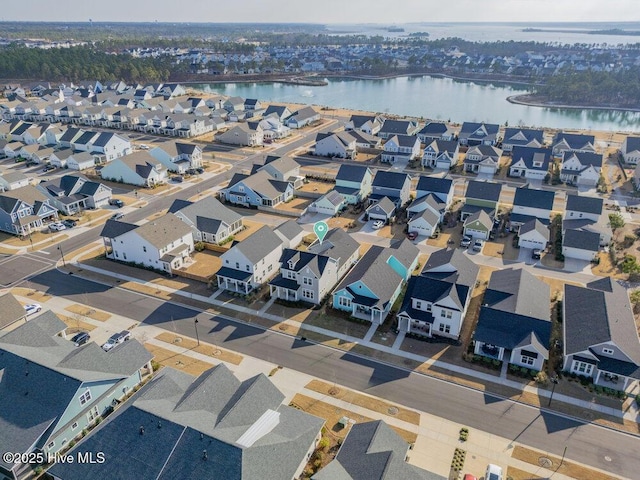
436, 99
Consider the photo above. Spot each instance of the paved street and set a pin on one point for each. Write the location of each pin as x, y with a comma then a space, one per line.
589, 444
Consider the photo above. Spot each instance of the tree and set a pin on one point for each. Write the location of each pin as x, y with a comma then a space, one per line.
616, 221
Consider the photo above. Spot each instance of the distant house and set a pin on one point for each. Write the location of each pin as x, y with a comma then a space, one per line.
329, 204
371, 288
391, 128
583, 207
73, 193
281, 168
427, 202
210, 220
233, 104
530, 163
273, 128
25, 210
110, 145
481, 196
399, 147
580, 168
178, 156
437, 300
340, 144
309, 276
600, 335
522, 137
514, 323
250, 263
13, 181
139, 168
303, 117
528, 204
252, 104
630, 150
384, 209
354, 183
533, 234
81, 161
164, 243
281, 111
566, 142
60, 157
394, 185
243, 135
441, 154
482, 159
436, 131
37, 359
364, 123
473, 134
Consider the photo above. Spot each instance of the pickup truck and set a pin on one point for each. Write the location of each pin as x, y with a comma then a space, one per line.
116, 339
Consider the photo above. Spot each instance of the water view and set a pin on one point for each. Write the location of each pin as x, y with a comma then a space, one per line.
434, 98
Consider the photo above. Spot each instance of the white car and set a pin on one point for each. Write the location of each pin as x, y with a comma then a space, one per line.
116, 339
32, 308
494, 472
56, 227
378, 224
143, 146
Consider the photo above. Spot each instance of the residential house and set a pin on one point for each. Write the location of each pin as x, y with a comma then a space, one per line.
528, 204
369, 124
630, 150
478, 225
109, 146
12, 149
73, 193
243, 135
580, 244
138, 168
273, 128
384, 209
329, 204
364, 140
233, 104
340, 144
514, 322
581, 168
473, 134
569, 142
441, 154
600, 335
522, 137
481, 196
282, 169
259, 189
354, 183
533, 234
436, 131
13, 181
280, 111
437, 300
81, 161
178, 156
214, 426
391, 128
290, 233
252, 104
303, 117
427, 202
441, 187
59, 158
164, 243
309, 276
42, 154
24, 210
585, 213
210, 220
394, 185
12, 311
530, 163
371, 288
424, 223
482, 159
52, 390
400, 147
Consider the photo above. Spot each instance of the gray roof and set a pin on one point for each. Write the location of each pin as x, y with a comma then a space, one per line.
405, 140
386, 205
434, 185
338, 245
208, 427
289, 229
483, 190
373, 451
260, 244
528, 197
581, 239
395, 180
451, 265
352, 173
164, 230
403, 127
517, 291
333, 197
11, 309
530, 154
633, 144
537, 225
523, 136
579, 203
481, 216
510, 330
209, 214
261, 183
115, 228
574, 141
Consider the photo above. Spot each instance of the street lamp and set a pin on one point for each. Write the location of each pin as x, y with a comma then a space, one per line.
554, 381
64, 264
195, 323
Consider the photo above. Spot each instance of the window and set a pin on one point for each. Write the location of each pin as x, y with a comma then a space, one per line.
526, 360
124, 254
445, 328
607, 351
307, 281
445, 313
307, 294
582, 367
74, 426
64, 442
51, 445
269, 268
344, 301
248, 267
92, 414
144, 249
418, 304
237, 265
85, 397
428, 307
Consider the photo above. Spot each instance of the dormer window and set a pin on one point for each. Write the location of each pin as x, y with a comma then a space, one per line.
607, 351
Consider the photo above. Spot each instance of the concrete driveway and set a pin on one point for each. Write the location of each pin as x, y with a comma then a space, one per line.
574, 265
485, 176
524, 256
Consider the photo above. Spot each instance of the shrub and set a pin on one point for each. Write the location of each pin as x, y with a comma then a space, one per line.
616, 221
199, 246
323, 444
155, 365
541, 378
630, 264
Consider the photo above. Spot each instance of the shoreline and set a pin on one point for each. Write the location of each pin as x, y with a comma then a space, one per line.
525, 99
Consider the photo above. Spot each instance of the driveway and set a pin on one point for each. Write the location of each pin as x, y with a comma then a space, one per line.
524, 256
575, 265
368, 228
485, 176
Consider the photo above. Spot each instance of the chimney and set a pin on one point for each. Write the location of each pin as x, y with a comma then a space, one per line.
204, 455
141, 430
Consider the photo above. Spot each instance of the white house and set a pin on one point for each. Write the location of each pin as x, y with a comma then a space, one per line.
329, 204
530, 163
243, 135
581, 168
210, 220
630, 150
529, 203
401, 147
139, 168
482, 159
303, 117
567, 142
13, 181
424, 223
441, 154
340, 144
110, 146
384, 209
365, 123
533, 234
522, 137
178, 156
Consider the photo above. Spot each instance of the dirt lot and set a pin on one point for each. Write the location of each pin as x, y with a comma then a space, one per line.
85, 311
204, 349
606, 267
317, 187
565, 467
75, 325
206, 264
250, 227
168, 358
501, 247
298, 204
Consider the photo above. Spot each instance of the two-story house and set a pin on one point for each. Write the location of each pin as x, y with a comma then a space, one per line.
581, 168
441, 187
244, 135
483, 159
309, 276
528, 204
303, 117
585, 213
436, 131
437, 300
398, 127
473, 133
400, 147
178, 156
530, 163
74, 193
522, 137
210, 220
164, 243
354, 183
630, 150
25, 210
259, 189
570, 142
394, 185
339, 144
250, 263
441, 154
600, 335
369, 124
371, 288
514, 322
481, 196
138, 168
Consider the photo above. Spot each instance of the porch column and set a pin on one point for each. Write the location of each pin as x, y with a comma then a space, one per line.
597, 379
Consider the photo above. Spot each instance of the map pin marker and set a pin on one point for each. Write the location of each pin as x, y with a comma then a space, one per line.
320, 229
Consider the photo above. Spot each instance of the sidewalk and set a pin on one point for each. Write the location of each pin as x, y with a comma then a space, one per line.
632, 414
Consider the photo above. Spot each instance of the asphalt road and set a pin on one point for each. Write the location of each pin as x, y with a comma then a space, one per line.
588, 444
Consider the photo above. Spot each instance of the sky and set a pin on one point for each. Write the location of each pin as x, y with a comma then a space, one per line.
322, 11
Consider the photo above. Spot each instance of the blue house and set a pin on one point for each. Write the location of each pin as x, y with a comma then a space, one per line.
371, 288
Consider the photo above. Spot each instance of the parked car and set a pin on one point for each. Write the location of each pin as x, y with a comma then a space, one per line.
116, 339
69, 223
192, 171
57, 226
494, 472
536, 254
143, 146
465, 242
117, 216
177, 179
48, 168
80, 338
200, 170
412, 235
477, 245
116, 202
378, 224
31, 163
32, 308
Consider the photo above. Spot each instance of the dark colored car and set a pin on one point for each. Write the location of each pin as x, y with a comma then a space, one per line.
412, 235
80, 338
200, 170
192, 171
177, 179
116, 202
536, 254
48, 168
69, 223
31, 163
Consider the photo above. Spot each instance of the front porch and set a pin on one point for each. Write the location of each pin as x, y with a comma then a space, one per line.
234, 280
284, 289
488, 350
365, 312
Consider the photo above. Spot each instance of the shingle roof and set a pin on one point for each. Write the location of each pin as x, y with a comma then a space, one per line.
338, 244
574, 140
582, 240
522, 136
394, 180
351, 173
509, 330
259, 244
434, 128
534, 224
483, 190
163, 230
208, 214
115, 228
289, 229
452, 266
528, 197
519, 292
633, 144
584, 204
404, 140
434, 184
359, 120
397, 126
11, 309
529, 154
